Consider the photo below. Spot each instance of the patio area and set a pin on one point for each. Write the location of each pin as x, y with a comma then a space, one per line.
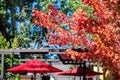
60, 63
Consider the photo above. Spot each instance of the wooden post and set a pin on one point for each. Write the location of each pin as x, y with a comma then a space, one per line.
97, 77
2, 67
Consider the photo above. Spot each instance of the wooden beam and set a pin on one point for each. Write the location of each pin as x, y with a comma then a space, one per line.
30, 50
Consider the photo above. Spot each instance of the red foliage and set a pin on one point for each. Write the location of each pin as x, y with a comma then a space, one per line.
104, 46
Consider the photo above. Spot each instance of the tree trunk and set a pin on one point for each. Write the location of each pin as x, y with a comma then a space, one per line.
111, 74
12, 7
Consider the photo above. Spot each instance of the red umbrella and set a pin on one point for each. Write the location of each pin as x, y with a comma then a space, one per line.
79, 71
34, 66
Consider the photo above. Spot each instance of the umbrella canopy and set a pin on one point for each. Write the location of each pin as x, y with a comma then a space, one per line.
34, 66
79, 71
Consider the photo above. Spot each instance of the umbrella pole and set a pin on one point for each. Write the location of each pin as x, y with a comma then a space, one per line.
34, 76
84, 74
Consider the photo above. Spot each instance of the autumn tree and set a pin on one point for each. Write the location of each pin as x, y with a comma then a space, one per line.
97, 30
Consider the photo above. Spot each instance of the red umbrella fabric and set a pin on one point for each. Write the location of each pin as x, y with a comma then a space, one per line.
34, 66
79, 71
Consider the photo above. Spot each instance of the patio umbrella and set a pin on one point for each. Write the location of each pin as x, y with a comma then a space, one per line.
34, 66
79, 71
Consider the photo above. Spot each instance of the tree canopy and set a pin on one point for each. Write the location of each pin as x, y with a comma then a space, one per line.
97, 29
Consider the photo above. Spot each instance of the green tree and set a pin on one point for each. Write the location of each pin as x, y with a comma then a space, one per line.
3, 44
